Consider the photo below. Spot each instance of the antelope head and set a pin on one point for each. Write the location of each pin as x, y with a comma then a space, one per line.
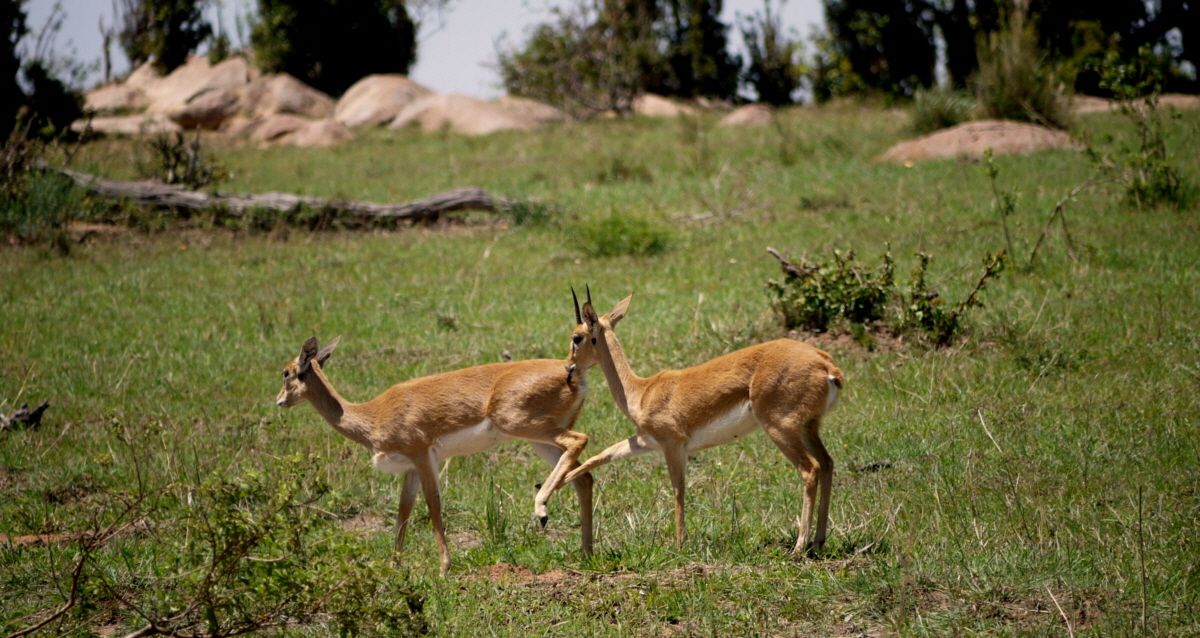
297, 371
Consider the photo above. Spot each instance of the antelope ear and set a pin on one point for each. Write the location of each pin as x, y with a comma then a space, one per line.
307, 352
325, 352
618, 312
590, 318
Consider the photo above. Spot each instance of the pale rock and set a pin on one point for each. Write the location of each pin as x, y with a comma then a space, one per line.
376, 99
283, 93
461, 114
652, 105
751, 115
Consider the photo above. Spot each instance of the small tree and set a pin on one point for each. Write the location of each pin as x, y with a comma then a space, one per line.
774, 71
165, 31
331, 44
595, 57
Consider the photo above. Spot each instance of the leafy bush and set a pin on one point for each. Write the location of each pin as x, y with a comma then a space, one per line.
331, 44
165, 31
615, 235
813, 297
818, 297
935, 110
1015, 80
1147, 169
177, 162
925, 310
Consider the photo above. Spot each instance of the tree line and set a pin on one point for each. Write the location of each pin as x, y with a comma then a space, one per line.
598, 55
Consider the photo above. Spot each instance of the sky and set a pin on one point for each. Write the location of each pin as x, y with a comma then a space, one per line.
457, 58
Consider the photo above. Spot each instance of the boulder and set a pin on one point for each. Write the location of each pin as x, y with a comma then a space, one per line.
283, 93
318, 133
750, 115
115, 99
652, 105
142, 76
208, 109
969, 140
376, 99
145, 124
531, 110
273, 127
461, 114
173, 92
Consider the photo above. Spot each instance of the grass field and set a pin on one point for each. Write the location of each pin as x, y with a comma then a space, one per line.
1041, 477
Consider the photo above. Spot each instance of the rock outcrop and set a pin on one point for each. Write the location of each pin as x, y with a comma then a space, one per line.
652, 105
377, 99
283, 93
461, 114
751, 115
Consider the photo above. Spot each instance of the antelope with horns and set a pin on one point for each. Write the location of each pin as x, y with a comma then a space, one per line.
785, 387
414, 425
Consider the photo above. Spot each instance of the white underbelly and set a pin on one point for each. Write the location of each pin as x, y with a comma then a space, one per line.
477, 438
734, 424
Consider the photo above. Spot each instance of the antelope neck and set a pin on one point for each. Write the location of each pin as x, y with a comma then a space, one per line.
349, 419
622, 382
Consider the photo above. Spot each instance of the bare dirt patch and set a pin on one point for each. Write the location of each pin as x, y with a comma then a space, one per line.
971, 139
364, 524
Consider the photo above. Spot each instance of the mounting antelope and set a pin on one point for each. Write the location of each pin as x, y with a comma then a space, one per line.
414, 425
782, 386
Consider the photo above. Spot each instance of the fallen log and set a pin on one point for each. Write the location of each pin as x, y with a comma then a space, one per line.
169, 196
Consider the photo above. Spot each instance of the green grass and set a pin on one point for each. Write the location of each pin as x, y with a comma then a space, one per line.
1015, 460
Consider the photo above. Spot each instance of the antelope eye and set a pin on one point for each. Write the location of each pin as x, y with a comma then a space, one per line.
577, 339
285, 374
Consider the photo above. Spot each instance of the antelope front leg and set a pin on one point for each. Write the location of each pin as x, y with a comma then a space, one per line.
408, 496
629, 448
583, 489
571, 443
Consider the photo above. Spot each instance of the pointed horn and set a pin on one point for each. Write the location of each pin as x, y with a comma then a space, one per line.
578, 317
589, 292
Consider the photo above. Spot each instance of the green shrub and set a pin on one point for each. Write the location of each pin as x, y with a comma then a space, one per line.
615, 235
527, 212
856, 299
935, 110
1015, 80
1146, 169
818, 295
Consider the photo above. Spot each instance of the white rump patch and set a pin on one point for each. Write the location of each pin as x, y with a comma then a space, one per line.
477, 438
832, 397
734, 424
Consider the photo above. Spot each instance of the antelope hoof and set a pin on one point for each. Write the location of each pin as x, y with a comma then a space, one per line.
542, 520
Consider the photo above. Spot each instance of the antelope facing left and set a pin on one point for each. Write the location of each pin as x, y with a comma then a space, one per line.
414, 425
784, 387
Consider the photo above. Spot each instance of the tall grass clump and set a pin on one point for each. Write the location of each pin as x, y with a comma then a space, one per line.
616, 235
1016, 80
935, 110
